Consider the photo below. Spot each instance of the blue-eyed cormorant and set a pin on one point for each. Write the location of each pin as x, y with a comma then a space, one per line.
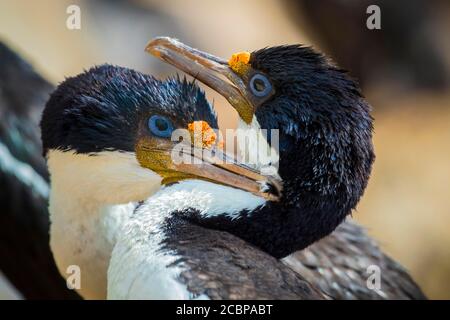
325, 159
107, 138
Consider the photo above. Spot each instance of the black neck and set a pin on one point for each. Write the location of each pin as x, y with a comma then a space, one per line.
322, 183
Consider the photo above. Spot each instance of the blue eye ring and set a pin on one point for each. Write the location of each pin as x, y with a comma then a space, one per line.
160, 126
260, 86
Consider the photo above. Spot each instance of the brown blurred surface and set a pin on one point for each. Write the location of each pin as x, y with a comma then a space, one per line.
407, 204
410, 50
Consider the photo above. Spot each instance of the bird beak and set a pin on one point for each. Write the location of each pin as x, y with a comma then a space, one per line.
176, 161
212, 71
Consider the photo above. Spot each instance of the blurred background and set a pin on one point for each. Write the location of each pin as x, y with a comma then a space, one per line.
404, 70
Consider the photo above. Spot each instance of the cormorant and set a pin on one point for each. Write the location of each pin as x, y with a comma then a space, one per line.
325, 159
25, 256
107, 138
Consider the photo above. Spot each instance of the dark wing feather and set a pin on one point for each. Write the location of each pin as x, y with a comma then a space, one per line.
223, 266
338, 264
25, 256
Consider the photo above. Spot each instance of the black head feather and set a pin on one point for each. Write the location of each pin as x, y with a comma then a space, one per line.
325, 147
101, 109
326, 150
323, 119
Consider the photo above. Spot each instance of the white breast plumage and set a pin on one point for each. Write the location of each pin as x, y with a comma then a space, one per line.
139, 267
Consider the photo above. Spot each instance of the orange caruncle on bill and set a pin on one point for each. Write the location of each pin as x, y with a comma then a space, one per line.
203, 136
239, 62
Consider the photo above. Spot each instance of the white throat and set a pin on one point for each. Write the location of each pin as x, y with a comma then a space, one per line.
91, 197
151, 271
254, 149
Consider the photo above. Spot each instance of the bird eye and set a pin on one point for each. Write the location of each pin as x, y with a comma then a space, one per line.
160, 126
260, 85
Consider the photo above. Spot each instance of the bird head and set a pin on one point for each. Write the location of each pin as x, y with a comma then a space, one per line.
111, 132
325, 126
